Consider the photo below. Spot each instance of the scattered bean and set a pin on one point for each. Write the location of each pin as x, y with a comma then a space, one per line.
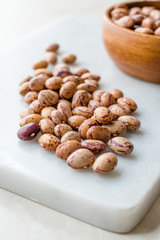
49, 142
30, 119
128, 102
58, 117
46, 112
120, 145
64, 150
83, 111
40, 64
67, 90
52, 47
65, 109
103, 115
61, 129
54, 83
80, 98
48, 97
28, 131
107, 99
93, 104
72, 135
76, 121
47, 126
105, 163
116, 93
24, 88
98, 133
36, 106
69, 58
85, 126
95, 146
119, 110
116, 128
30, 97
132, 123
51, 57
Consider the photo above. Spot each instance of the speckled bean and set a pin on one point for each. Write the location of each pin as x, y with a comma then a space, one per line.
61, 129
107, 99
24, 88
30, 97
54, 83
83, 128
72, 135
120, 145
58, 117
48, 97
87, 87
77, 80
118, 110
67, 148
127, 102
65, 109
37, 83
98, 133
91, 82
103, 115
36, 106
93, 104
47, 126
52, 47
30, 119
26, 79
51, 57
76, 121
43, 71
80, 71
116, 128
83, 111
49, 142
126, 21
67, 90
28, 131
105, 163
46, 112
80, 98
89, 75
24, 112
81, 158
94, 146
132, 123
40, 64
97, 95
65, 101
116, 93
69, 58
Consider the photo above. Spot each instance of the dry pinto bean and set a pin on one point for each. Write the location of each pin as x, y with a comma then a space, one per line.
89, 75
30, 97
63, 73
28, 131
37, 83
80, 71
95, 146
36, 106
40, 64
60, 67
51, 57
147, 10
128, 102
126, 21
91, 82
61, 129
107, 99
105, 163
134, 11
47, 126
72, 135
138, 18
24, 88
65, 101
144, 30
77, 80
48, 97
98, 133
118, 110
67, 148
69, 58
147, 22
76, 121
93, 104
49, 142
132, 123
87, 87
83, 111
81, 158
46, 112
58, 117
118, 13
97, 95
85, 126
52, 47
54, 83
116, 128
120, 145
103, 115
30, 119
43, 71
116, 93
24, 112
155, 14
65, 109
67, 90
26, 79
80, 98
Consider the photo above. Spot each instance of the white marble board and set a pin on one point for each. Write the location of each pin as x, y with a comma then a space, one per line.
116, 201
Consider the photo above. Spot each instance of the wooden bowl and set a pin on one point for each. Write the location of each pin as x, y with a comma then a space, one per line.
134, 53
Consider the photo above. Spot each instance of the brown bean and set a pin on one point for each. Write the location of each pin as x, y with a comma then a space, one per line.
91, 82
37, 83
134, 11
43, 71
132, 123
118, 110
85, 126
51, 57
80, 71
24, 112
95, 146
30, 97
155, 14
59, 67
47, 126
144, 30
89, 75
146, 10
116, 93
105, 163
40, 64
48, 97
58, 117
26, 79
103, 115
28, 131
81, 158
126, 21
69, 58
118, 13
24, 88
67, 148
67, 90
49, 142
54, 83
128, 102
61, 129
83, 111
97, 95
72, 135
52, 47
116, 128
80, 98
65, 101
93, 104
120, 145
30, 119
77, 80
147, 22
87, 87
107, 99
76, 121
138, 18
65, 109
46, 112
98, 133
36, 106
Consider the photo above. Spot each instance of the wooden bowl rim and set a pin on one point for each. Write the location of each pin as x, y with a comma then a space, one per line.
107, 16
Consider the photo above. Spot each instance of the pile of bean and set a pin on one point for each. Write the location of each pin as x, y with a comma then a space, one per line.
141, 20
67, 106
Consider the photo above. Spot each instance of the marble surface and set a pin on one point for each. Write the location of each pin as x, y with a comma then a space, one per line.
35, 220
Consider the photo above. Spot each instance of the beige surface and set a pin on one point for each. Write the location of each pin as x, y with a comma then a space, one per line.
21, 218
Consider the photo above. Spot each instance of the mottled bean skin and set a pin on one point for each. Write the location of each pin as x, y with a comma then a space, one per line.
30, 119
46, 112
116, 93
116, 128
80, 71
93, 104
58, 117
90, 88
48, 97
91, 82
24, 112
83, 111
47, 126
69, 58
132, 123
67, 90
65, 109
105, 163
36, 106
80, 98
98, 133
65, 101
37, 83
81, 158
28, 131
43, 71
76, 121
83, 128
118, 13
49, 142
61, 129
30, 97
52, 47
127, 102
107, 99
40, 64
118, 110
97, 95
64, 150
72, 135
89, 75
95, 146
125, 21
103, 115
77, 80
120, 145
24, 88
54, 83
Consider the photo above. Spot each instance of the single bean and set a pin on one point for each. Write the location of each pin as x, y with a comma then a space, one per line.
103, 115
80, 71
51, 57
105, 163
128, 102
132, 123
30, 97
83, 128
49, 142
80, 98
67, 90
95, 146
65, 109
58, 117
52, 47
119, 110
64, 150
46, 112
65, 101
76, 121
116, 128
120, 145
98, 133
61, 129
134, 10
48, 97
24, 88
69, 58
118, 13
30, 119
37, 83
93, 104
24, 112
26, 79
83, 111
116, 93
28, 131
72, 135
144, 30
107, 99
43, 71
36, 106
147, 10
126, 21
47, 126
87, 87
40, 64
54, 83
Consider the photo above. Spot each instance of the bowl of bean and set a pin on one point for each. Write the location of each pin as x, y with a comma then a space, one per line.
131, 34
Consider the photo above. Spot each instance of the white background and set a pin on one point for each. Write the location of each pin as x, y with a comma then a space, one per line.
21, 218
